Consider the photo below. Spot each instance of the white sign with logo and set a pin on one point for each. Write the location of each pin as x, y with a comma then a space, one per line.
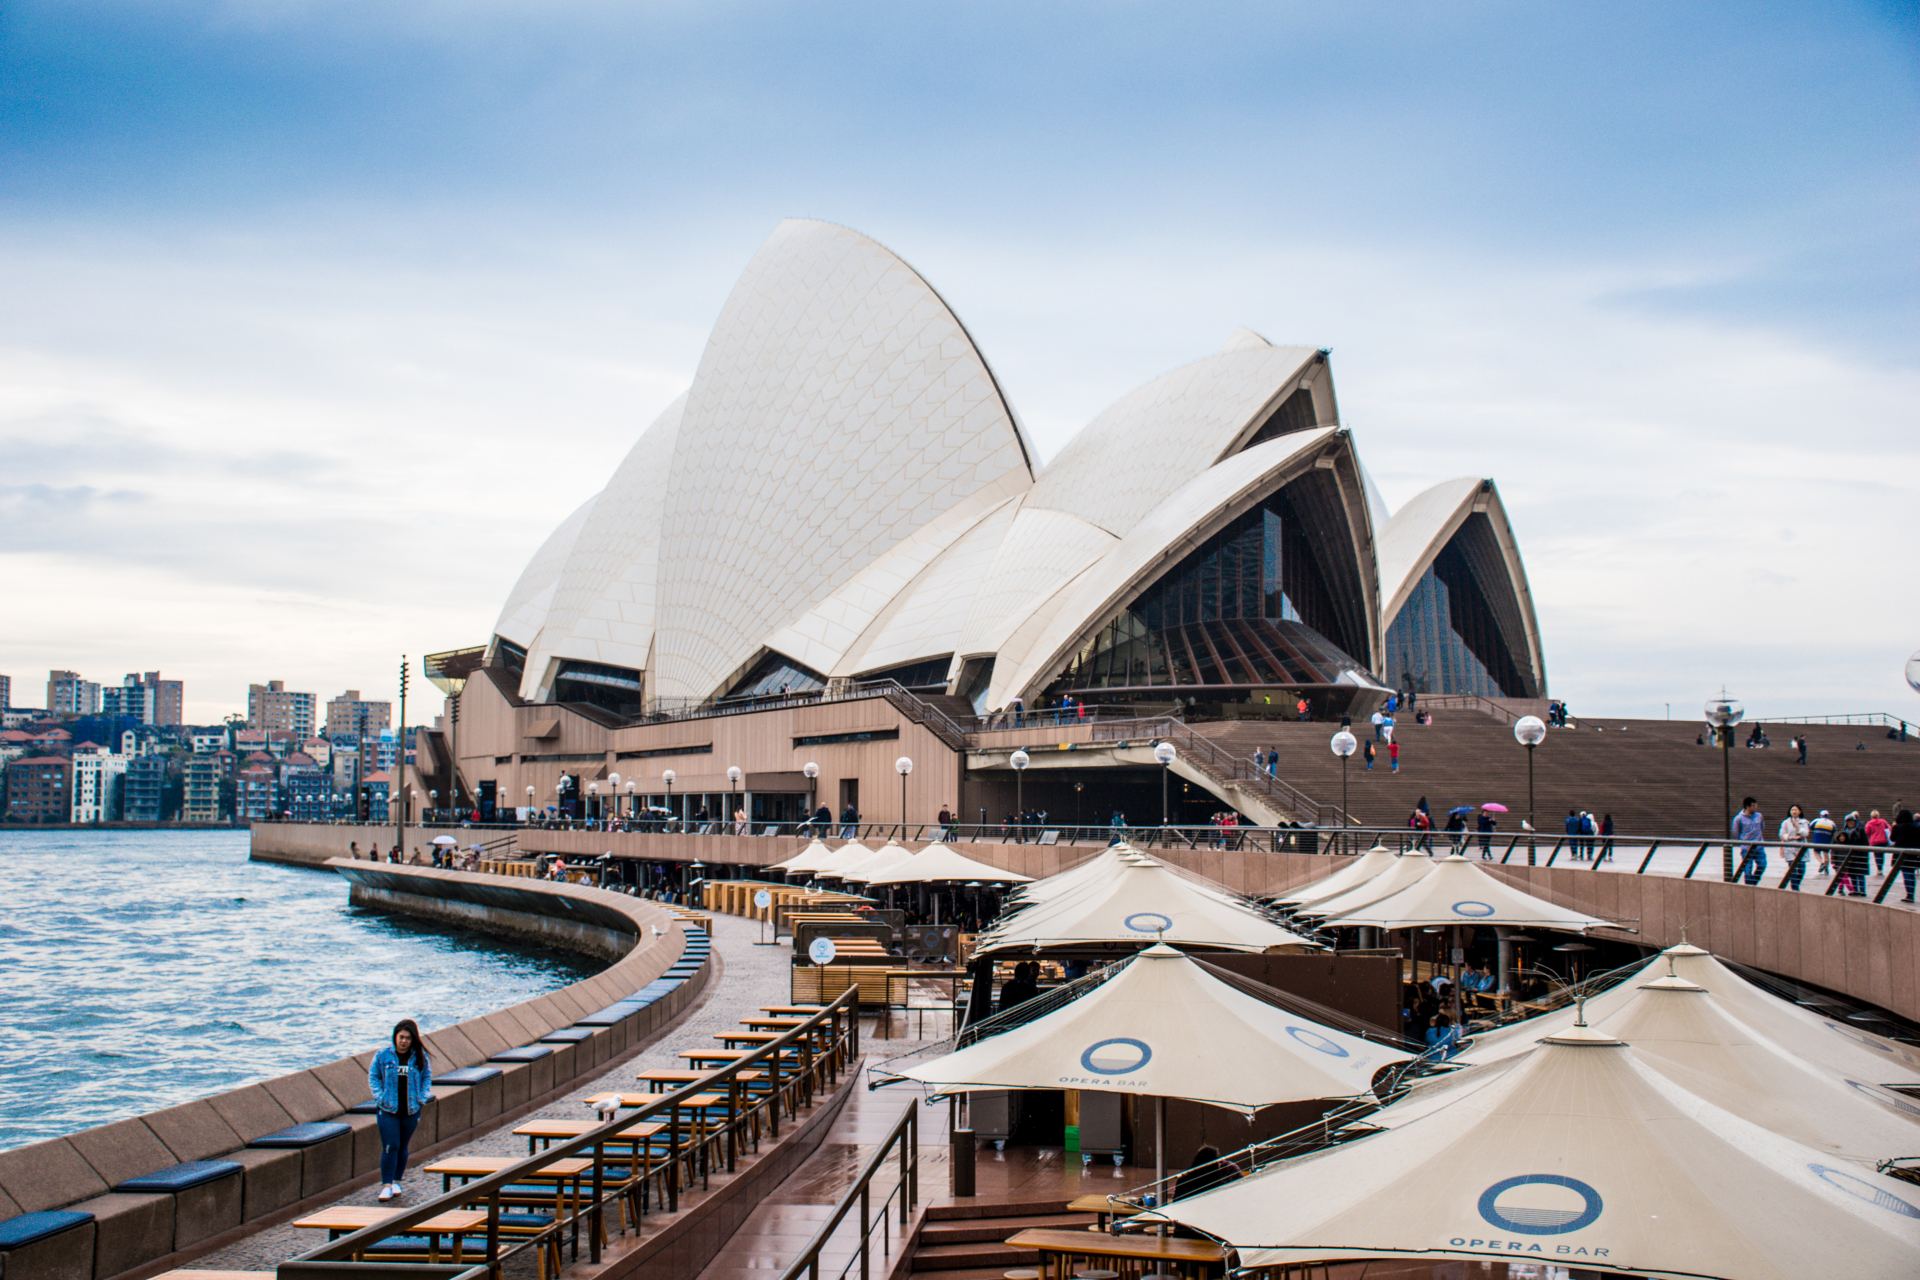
763, 899
822, 951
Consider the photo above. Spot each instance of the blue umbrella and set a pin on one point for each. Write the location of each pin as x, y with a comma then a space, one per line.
1459, 809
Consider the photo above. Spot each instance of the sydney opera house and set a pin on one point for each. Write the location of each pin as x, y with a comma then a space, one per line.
845, 496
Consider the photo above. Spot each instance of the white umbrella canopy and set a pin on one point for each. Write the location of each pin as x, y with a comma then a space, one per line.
846, 855
808, 859
1578, 1155
1406, 870
1165, 1027
939, 864
880, 861
1457, 891
1140, 903
1351, 875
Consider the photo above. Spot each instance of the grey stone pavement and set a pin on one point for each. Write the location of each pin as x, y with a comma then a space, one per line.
749, 977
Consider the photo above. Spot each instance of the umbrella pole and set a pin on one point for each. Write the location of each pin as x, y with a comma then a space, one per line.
1160, 1152
1459, 1002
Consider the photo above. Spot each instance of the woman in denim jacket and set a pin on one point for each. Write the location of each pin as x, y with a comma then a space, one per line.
401, 1079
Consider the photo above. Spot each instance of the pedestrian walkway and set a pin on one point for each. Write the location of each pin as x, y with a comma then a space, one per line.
748, 976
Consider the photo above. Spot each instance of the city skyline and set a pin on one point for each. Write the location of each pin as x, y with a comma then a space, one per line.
1645, 266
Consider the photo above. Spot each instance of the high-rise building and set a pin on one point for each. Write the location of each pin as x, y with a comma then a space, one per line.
39, 789
256, 792
344, 714
6, 692
97, 782
70, 695
204, 776
273, 706
145, 697
143, 793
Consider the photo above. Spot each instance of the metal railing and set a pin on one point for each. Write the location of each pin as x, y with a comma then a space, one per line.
1881, 718
1225, 767
691, 1150
902, 1142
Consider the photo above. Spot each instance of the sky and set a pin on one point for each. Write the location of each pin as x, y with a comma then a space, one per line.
316, 317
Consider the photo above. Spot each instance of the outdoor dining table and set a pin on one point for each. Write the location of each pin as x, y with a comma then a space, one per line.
679, 1076
545, 1132
773, 1023
1131, 1254
799, 1010
345, 1219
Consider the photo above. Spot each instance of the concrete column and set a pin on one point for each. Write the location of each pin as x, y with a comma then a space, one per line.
1504, 963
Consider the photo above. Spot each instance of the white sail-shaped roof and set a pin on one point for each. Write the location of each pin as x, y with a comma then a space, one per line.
1166, 1027
839, 408
1141, 903
808, 859
941, 864
882, 860
1583, 1156
1458, 891
852, 853
532, 595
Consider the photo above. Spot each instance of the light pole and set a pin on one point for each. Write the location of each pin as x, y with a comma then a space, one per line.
1019, 760
1343, 744
529, 802
632, 812
903, 767
1530, 732
433, 806
812, 771
593, 800
667, 776
733, 791
1166, 755
1723, 713
613, 792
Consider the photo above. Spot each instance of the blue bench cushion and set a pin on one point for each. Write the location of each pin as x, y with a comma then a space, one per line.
29, 1227
612, 1015
181, 1177
467, 1075
567, 1035
367, 1108
525, 1053
305, 1135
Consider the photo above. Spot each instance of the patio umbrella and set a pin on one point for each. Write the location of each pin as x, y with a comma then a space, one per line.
846, 855
1164, 1026
1351, 873
1457, 891
1141, 903
880, 861
807, 860
940, 864
1580, 1155
1406, 869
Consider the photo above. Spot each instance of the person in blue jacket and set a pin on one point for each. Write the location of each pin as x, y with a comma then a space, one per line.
401, 1079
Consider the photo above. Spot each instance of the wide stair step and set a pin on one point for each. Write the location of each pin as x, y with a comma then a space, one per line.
985, 1253
995, 1230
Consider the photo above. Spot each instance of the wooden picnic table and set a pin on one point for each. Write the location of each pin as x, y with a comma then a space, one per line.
1166, 1254
1096, 1204
676, 1075
345, 1219
773, 1024
694, 1101
801, 1010
551, 1131
747, 1037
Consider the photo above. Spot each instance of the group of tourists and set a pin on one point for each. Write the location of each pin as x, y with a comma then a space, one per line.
1848, 849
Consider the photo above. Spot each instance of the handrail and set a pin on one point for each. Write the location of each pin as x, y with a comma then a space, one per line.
904, 1137
1230, 770
844, 1015
1883, 718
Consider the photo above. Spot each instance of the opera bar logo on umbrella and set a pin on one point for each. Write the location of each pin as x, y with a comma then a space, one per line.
1541, 1204
1118, 1056
1148, 922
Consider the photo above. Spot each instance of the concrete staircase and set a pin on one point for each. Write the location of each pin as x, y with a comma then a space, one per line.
1647, 773
968, 1241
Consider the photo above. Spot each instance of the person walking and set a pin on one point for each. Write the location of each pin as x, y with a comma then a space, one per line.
1420, 822
1749, 829
1821, 831
1905, 838
1273, 762
1571, 828
1368, 755
1393, 755
401, 1081
1484, 824
1855, 858
849, 820
1606, 837
1800, 749
1794, 831
1879, 832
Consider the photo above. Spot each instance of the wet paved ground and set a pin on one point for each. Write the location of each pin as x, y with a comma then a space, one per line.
749, 977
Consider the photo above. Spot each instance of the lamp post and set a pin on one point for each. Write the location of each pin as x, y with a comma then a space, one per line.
812, 771
1166, 755
903, 766
529, 802
1723, 713
613, 792
1343, 744
1530, 732
632, 812
667, 776
733, 790
1019, 760
433, 805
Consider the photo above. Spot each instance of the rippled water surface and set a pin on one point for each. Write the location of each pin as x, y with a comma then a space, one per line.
145, 968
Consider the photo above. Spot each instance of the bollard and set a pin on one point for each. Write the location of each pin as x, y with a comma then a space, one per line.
962, 1162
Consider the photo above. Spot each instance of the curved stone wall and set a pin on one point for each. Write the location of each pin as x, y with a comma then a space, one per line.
135, 1230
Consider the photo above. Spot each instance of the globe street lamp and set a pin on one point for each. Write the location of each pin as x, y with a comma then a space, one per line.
529, 802
613, 792
812, 772
1019, 760
1343, 744
1723, 713
903, 766
667, 776
1530, 732
433, 806
733, 790
632, 812
1166, 755
593, 801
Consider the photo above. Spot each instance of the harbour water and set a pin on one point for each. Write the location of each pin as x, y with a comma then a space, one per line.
139, 969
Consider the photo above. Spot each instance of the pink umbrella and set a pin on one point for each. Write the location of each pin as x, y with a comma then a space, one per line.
1494, 808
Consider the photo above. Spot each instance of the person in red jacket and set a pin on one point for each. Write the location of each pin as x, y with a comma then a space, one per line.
1393, 754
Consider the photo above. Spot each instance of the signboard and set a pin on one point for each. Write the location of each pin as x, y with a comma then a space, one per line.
763, 899
822, 951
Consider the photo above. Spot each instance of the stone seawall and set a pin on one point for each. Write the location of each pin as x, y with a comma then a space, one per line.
602, 1018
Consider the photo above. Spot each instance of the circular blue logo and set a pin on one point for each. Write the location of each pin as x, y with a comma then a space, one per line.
1148, 922
1314, 1040
1860, 1189
1550, 1205
1117, 1057
1473, 910
1886, 1097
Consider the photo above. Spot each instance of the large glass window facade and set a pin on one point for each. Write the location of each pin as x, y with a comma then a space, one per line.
1275, 598
1461, 630
776, 674
1294, 414
615, 690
